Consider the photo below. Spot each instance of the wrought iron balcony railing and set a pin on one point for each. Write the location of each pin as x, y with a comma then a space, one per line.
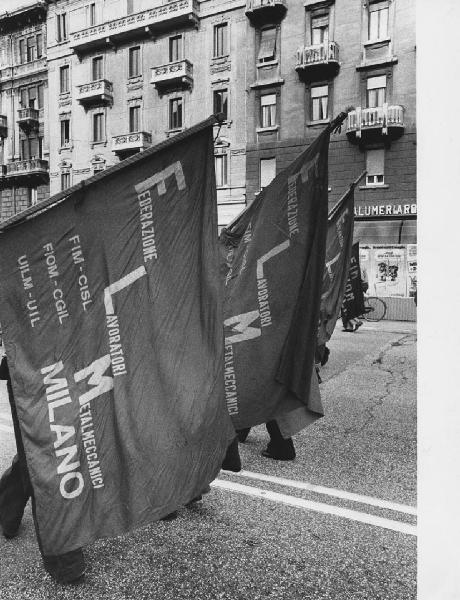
317, 53
382, 118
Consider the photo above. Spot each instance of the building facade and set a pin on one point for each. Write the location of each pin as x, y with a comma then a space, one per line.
24, 150
121, 75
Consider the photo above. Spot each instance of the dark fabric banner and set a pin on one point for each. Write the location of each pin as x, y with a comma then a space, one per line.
353, 299
272, 268
335, 274
112, 319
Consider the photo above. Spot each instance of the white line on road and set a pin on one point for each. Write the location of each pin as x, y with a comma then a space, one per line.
6, 417
338, 511
319, 489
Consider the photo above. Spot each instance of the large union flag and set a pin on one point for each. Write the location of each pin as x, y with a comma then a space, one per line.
335, 275
272, 268
112, 321
353, 298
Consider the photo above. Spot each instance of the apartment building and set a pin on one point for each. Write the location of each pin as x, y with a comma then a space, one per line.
126, 74
120, 75
24, 149
307, 62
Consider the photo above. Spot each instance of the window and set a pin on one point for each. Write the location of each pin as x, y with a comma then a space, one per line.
64, 79
98, 127
65, 181
378, 21
320, 30
220, 39
129, 7
65, 132
175, 113
134, 119
267, 48
376, 91
22, 51
267, 171
39, 45
221, 103
32, 93
31, 49
61, 27
92, 14
375, 162
221, 162
134, 61
40, 96
268, 110
31, 147
319, 102
32, 196
97, 68
175, 48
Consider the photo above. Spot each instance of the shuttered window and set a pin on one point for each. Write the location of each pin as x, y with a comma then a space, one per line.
267, 48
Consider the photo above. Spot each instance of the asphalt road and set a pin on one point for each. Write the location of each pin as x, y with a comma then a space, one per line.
337, 523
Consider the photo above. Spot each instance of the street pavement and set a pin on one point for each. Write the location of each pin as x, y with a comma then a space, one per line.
338, 522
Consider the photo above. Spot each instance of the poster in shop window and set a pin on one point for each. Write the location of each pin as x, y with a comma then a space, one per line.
387, 273
411, 269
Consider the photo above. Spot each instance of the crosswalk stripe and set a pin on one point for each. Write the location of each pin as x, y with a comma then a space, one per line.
319, 489
338, 511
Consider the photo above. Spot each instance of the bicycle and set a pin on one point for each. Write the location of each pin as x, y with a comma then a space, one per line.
374, 308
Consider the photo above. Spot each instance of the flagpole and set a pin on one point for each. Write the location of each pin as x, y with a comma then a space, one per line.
60, 196
352, 186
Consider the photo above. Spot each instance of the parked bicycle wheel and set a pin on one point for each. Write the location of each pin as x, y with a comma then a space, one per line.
375, 308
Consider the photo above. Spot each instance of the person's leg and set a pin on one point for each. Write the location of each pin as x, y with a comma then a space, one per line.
243, 434
13, 499
278, 448
232, 460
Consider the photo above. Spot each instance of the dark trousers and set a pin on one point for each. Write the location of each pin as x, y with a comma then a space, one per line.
278, 446
15, 491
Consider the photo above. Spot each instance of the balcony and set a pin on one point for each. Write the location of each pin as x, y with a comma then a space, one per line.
98, 92
319, 61
171, 15
130, 143
178, 74
28, 119
3, 127
261, 12
383, 123
30, 172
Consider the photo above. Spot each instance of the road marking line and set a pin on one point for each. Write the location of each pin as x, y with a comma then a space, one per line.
6, 417
319, 489
338, 511
6, 428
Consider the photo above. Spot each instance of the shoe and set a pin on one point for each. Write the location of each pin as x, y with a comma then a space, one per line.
349, 330
268, 454
9, 535
358, 324
66, 568
172, 515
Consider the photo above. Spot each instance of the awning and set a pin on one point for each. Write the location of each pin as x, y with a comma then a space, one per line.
386, 232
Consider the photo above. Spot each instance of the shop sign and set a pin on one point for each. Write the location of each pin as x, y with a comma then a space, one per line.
384, 210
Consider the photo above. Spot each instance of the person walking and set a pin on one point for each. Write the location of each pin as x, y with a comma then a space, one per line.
15, 491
